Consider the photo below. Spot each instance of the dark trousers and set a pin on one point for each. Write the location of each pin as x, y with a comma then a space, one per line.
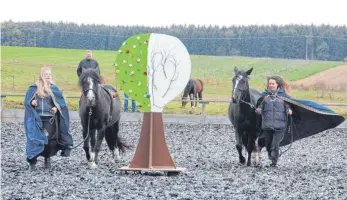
272, 142
133, 104
51, 147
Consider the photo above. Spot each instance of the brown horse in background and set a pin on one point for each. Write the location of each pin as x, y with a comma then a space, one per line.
194, 88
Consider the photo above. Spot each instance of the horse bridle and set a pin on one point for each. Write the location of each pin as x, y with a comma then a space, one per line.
242, 101
87, 90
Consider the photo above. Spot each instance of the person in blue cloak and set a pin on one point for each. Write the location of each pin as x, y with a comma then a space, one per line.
285, 119
46, 121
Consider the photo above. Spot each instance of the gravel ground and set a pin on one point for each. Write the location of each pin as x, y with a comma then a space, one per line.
314, 168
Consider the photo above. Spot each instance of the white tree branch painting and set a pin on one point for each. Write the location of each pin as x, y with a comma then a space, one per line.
169, 69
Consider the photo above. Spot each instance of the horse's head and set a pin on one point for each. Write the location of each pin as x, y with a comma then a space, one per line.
184, 100
240, 84
186, 91
88, 82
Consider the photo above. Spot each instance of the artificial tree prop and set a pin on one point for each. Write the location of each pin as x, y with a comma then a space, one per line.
152, 69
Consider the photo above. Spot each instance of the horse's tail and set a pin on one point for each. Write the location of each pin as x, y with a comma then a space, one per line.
122, 145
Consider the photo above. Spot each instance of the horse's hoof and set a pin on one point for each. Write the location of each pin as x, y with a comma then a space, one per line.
257, 165
116, 160
92, 165
242, 160
115, 155
273, 165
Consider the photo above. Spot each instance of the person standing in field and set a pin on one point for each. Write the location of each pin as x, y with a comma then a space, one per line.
133, 104
88, 63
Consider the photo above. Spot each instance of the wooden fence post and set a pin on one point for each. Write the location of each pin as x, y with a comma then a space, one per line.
203, 111
1, 104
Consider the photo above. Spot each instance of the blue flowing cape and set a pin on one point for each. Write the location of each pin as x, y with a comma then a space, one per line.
36, 139
308, 118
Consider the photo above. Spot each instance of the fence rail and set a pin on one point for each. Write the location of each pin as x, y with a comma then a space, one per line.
199, 101
203, 118
202, 102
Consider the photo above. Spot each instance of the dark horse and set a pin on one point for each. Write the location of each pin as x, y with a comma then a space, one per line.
242, 115
99, 111
194, 88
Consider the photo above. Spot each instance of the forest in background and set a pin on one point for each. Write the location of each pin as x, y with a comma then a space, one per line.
323, 42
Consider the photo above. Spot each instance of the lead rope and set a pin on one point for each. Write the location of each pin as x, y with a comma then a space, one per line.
291, 133
57, 130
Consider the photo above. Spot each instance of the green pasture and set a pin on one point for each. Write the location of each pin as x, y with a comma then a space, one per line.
20, 67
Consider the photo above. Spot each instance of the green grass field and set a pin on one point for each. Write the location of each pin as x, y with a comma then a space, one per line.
21, 65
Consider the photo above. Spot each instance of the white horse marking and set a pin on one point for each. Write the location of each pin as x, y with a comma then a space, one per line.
255, 156
115, 155
238, 78
92, 157
256, 153
90, 94
92, 165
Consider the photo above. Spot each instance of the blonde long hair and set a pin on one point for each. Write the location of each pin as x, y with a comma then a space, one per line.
43, 87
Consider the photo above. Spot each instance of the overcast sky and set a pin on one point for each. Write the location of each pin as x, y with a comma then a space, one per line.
163, 12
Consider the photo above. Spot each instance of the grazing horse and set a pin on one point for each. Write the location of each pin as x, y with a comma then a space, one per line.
194, 88
242, 115
99, 111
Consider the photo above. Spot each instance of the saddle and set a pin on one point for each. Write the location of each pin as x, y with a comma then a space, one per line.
108, 89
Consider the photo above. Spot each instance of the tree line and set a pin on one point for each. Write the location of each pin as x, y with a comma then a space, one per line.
320, 42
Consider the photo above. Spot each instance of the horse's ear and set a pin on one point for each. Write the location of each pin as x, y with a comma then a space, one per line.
248, 72
236, 69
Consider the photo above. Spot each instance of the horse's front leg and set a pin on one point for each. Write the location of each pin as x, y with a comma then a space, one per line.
191, 97
239, 146
200, 98
196, 99
250, 148
256, 153
86, 143
99, 138
91, 162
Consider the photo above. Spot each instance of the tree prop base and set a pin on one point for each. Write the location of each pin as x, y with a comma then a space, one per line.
152, 153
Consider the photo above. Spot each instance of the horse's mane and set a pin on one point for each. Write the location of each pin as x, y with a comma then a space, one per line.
89, 73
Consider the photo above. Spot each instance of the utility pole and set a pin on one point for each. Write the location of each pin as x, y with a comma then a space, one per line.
306, 45
312, 42
35, 38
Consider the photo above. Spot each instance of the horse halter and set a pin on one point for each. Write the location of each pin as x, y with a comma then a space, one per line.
86, 91
242, 92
